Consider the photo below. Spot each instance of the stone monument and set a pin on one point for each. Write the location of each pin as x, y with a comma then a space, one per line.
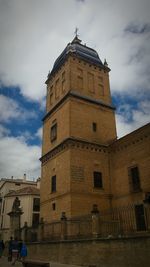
15, 215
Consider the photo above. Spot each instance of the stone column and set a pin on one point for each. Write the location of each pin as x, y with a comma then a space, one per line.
41, 230
95, 221
15, 223
63, 226
15, 216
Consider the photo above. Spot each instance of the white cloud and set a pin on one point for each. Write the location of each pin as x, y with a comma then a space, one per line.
132, 118
39, 133
10, 109
17, 158
33, 34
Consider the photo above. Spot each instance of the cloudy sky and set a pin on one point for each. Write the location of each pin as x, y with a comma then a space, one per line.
32, 35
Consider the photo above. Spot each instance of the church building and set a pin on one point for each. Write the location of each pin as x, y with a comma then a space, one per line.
83, 161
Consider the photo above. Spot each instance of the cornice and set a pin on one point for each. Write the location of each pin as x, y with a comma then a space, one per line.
74, 143
75, 95
130, 140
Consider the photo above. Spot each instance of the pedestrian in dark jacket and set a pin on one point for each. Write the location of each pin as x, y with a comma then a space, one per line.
20, 247
15, 251
10, 249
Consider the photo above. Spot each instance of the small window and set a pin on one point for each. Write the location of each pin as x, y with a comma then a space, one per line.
98, 180
101, 89
63, 76
80, 83
100, 79
54, 132
53, 184
51, 98
35, 219
91, 82
53, 206
63, 85
36, 204
134, 179
57, 85
94, 126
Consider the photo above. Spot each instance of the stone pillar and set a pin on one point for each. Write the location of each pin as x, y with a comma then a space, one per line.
41, 230
63, 226
95, 221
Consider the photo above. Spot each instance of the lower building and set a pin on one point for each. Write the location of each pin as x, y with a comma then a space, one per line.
29, 197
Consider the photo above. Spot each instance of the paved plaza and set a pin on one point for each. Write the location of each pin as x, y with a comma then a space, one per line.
4, 263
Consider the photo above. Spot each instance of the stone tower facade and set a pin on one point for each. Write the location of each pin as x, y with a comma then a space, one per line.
78, 127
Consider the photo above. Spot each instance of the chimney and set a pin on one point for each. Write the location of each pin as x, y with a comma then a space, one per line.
24, 177
38, 182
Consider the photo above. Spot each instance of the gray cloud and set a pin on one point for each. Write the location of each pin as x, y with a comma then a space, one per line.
4, 131
138, 29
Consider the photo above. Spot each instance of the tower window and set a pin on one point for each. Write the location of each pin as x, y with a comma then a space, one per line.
51, 98
57, 88
53, 206
63, 85
35, 219
134, 179
53, 184
63, 81
63, 76
101, 89
91, 82
94, 126
98, 180
54, 132
80, 79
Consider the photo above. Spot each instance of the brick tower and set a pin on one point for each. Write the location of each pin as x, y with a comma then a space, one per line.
78, 127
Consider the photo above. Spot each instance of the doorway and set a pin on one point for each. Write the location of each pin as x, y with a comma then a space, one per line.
140, 218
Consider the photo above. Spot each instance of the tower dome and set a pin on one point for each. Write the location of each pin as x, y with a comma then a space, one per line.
79, 50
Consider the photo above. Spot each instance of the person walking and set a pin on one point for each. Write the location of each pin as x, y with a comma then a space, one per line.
23, 252
20, 246
15, 251
10, 249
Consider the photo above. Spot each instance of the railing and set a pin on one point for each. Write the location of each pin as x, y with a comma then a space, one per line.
52, 231
79, 227
123, 221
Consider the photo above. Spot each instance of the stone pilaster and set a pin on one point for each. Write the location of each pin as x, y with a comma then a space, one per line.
63, 226
95, 221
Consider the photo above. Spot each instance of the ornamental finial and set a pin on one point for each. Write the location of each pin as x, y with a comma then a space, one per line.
76, 32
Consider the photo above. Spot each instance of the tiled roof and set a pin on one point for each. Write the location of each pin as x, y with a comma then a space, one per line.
24, 191
82, 51
4, 181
